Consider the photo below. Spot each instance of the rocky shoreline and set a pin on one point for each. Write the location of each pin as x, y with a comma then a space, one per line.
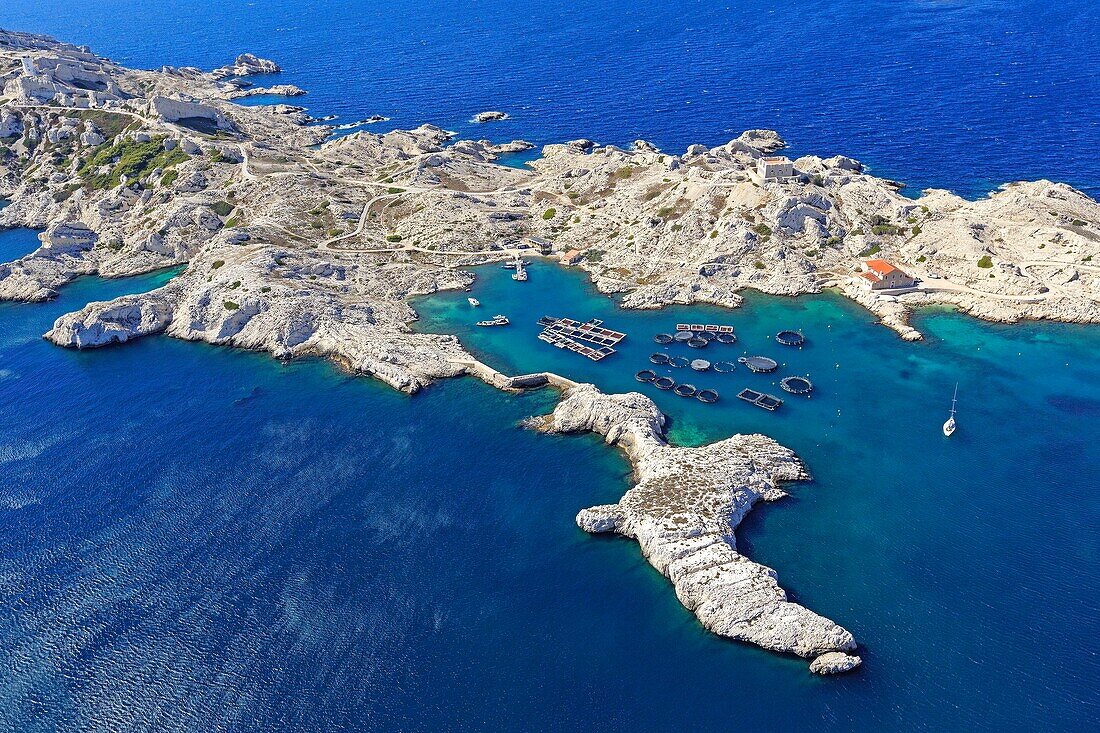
297, 243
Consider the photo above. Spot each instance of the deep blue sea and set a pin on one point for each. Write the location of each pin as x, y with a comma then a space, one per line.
202, 539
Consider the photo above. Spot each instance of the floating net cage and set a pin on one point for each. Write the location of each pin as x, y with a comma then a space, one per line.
724, 367
659, 358
759, 363
685, 390
683, 336
707, 395
697, 342
646, 375
663, 338
790, 338
700, 365
678, 361
725, 338
796, 385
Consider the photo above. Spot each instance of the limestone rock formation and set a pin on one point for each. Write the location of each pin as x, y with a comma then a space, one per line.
684, 511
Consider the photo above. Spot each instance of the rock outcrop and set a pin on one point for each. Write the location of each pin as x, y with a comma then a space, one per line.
684, 510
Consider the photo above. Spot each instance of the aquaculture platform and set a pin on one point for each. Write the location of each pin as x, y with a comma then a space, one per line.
703, 328
565, 333
767, 401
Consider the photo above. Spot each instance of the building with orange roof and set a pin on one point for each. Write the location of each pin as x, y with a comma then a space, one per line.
881, 275
572, 257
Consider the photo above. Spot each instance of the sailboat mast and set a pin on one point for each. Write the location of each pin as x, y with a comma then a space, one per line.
954, 397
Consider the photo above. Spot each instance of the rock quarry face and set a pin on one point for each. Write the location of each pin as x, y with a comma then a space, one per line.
684, 510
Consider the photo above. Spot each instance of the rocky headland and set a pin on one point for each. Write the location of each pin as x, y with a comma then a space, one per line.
297, 243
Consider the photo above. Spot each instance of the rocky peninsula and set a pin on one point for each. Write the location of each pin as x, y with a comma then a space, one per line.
296, 243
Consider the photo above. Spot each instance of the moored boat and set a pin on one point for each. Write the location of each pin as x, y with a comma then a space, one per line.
495, 321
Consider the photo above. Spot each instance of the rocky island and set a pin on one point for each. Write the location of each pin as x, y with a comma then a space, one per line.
295, 242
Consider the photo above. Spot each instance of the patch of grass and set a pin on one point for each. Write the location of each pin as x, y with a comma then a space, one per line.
230, 305
916, 231
594, 255
874, 249
169, 177
758, 265
549, 213
985, 262
884, 229
217, 264
1078, 223
134, 160
109, 123
393, 238
395, 189
625, 172
232, 222
714, 234
762, 229
222, 208
922, 258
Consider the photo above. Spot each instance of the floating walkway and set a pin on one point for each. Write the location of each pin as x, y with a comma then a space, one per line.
790, 338
797, 385
759, 364
565, 333
766, 401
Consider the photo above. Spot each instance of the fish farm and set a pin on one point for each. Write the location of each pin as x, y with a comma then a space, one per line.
724, 367
678, 361
685, 390
663, 338
683, 336
710, 396
703, 328
700, 365
646, 375
659, 358
796, 385
759, 364
664, 382
790, 338
760, 399
565, 333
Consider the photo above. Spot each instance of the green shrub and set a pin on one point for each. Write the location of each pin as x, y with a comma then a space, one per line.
758, 265
394, 189
232, 222
222, 208
549, 213
986, 261
882, 229
230, 305
714, 234
134, 160
393, 238
762, 229
1078, 223
922, 258
874, 249
594, 255
916, 230
169, 177
625, 172
217, 264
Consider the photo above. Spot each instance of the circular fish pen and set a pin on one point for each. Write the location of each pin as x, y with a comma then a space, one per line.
796, 385
700, 365
659, 358
646, 375
685, 390
724, 367
683, 336
664, 382
759, 364
709, 396
725, 338
663, 338
707, 336
678, 361
697, 342
790, 338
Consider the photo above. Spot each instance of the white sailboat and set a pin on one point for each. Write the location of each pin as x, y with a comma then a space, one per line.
949, 426
474, 302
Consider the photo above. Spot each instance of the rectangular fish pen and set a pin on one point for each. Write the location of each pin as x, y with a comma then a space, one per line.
760, 399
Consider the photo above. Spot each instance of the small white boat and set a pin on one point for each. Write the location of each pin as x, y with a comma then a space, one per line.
495, 321
474, 302
949, 426
520, 274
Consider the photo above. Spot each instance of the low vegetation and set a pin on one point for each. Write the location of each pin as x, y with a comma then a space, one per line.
985, 262
128, 158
